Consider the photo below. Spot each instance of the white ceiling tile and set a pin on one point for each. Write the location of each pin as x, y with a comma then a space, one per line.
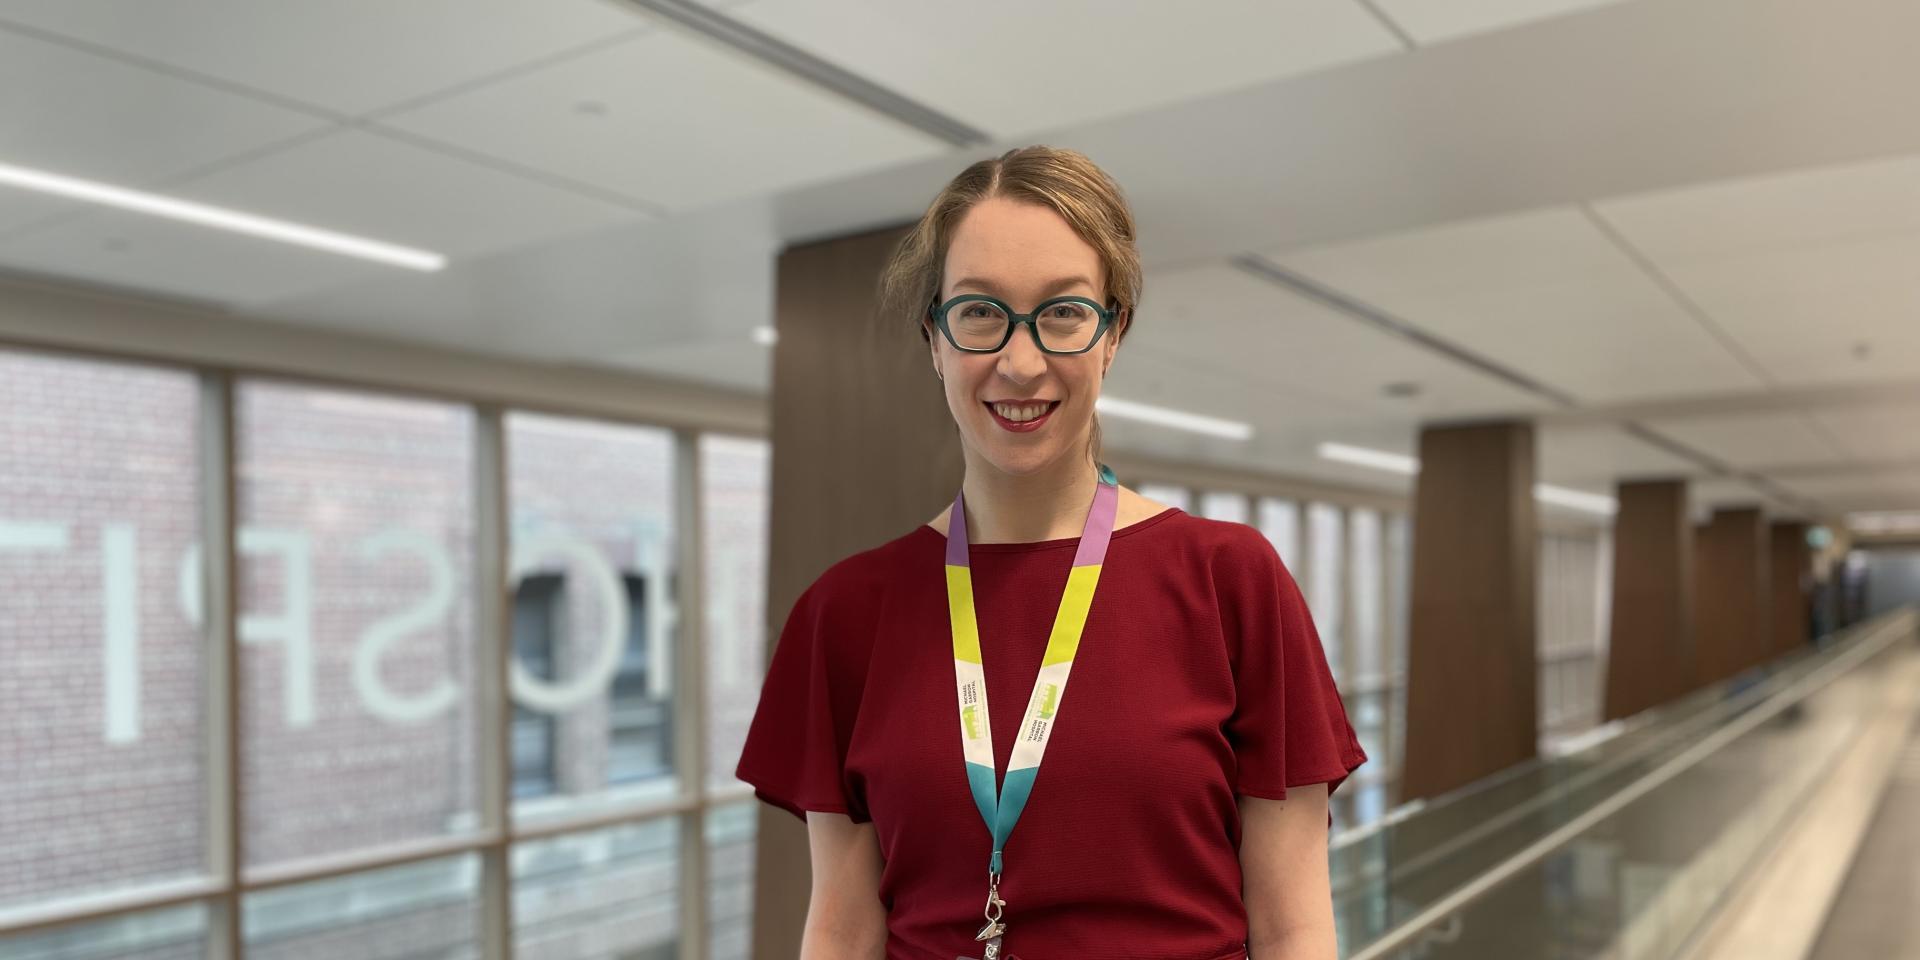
1603, 453
1432, 21
1803, 314
682, 123
347, 56
1707, 494
1791, 210
613, 293
736, 362
1543, 293
1863, 490
1749, 441
1226, 321
92, 117
375, 186
141, 253
1876, 432
1015, 68
351, 181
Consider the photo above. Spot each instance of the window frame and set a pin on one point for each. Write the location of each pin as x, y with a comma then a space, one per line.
494, 835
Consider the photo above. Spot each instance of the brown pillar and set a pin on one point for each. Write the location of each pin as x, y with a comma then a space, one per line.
864, 450
1471, 678
1731, 606
1791, 573
1650, 657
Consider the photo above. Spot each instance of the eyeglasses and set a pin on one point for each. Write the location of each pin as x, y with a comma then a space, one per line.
976, 323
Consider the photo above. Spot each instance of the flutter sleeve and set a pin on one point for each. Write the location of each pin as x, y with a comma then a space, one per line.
796, 747
1289, 727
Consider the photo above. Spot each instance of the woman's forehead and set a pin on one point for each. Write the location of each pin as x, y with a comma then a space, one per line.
1018, 248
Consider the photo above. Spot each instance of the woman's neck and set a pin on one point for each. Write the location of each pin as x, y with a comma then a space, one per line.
1049, 504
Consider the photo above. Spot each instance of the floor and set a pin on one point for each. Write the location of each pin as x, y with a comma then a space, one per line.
1877, 914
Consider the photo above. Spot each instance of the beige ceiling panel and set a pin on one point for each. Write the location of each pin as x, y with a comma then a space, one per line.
1601, 453
1544, 293
1015, 68
1229, 322
1429, 21
1788, 211
1874, 432
1749, 441
79, 115
346, 56
1829, 313
670, 120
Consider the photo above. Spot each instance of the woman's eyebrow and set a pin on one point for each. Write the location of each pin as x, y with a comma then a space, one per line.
1056, 286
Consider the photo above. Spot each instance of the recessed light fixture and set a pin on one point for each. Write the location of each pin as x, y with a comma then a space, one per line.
765, 336
1401, 463
220, 218
1177, 419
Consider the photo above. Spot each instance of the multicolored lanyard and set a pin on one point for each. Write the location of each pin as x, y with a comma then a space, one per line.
1049, 688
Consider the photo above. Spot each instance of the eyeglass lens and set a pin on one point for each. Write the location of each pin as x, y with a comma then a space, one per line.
982, 325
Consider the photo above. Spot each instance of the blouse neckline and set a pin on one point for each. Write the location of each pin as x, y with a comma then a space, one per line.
1127, 530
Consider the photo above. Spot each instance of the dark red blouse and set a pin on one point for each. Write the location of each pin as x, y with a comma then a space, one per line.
1199, 677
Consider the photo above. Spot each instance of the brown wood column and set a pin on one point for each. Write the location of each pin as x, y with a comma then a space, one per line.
1703, 560
1791, 573
1650, 656
864, 450
1731, 607
1472, 683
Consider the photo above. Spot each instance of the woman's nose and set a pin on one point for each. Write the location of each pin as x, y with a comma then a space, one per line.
1021, 359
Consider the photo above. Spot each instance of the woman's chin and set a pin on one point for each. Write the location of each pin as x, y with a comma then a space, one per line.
1024, 461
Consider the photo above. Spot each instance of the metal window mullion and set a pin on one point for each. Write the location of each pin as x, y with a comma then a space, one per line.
492, 708
1343, 585
1383, 625
690, 701
219, 591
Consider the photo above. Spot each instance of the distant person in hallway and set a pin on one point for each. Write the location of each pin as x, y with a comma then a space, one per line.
1058, 721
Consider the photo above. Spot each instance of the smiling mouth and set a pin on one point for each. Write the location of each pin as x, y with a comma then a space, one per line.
1023, 426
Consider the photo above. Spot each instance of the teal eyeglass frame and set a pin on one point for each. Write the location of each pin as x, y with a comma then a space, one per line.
938, 314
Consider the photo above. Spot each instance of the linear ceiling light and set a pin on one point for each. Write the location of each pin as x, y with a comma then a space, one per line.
1363, 457
1576, 499
1401, 463
1179, 420
220, 218
1905, 521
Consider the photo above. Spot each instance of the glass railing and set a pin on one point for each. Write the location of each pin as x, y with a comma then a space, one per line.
1624, 844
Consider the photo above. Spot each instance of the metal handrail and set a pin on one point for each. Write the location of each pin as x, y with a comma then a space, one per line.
1681, 729
1441, 911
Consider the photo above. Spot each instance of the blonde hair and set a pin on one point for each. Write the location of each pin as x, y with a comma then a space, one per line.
1062, 180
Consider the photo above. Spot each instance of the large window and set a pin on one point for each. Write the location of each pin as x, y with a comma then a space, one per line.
397, 785
102, 687
1574, 569
592, 508
1218, 505
1167, 493
355, 515
1280, 521
1326, 573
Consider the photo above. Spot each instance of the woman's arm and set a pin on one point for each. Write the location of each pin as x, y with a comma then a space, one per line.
1283, 865
845, 920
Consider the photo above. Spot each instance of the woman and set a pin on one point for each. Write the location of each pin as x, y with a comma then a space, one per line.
1174, 806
